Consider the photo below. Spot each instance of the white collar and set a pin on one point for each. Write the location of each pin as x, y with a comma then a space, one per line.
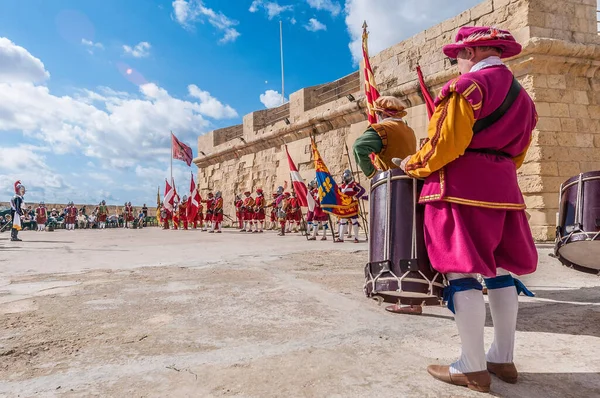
486, 63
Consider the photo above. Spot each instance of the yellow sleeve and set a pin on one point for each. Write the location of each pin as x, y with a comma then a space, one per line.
450, 132
520, 158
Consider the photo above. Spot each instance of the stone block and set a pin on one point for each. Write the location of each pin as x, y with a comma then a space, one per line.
559, 110
568, 124
544, 109
543, 233
568, 169
580, 97
543, 138
590, 166
575, 140
497, 4
597, 140
594, 111
578, 111
541, 201
548, 124
556, 81
543, 217
481, 9
539, 168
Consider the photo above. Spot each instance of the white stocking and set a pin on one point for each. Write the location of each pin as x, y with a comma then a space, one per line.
342, 229
470, 321
355, 226
504, 305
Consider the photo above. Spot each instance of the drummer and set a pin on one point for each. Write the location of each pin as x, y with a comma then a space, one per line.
475, 220
388, 139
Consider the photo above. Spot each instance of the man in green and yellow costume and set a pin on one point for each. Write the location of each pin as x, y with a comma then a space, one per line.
388, 139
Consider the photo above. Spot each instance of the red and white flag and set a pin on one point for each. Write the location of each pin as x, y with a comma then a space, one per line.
176, 197
180, 151
169, 196
298, 183
195, 200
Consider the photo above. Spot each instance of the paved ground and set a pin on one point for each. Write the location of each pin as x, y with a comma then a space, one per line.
153, 314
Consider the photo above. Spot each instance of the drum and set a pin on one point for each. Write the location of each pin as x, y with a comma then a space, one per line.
578, 225
399, 270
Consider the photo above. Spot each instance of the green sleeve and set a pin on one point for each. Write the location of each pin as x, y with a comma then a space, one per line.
365, 145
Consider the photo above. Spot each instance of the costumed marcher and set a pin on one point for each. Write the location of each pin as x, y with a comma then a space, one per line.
319, 217
199, 223
16, 211
239, 203
130, 215
125, 216
217, 218
209, 211
165, 216
41, 216
282, 209
248, 212
102, 214
295, 213
183, 212
273, 212
259, 211
175, 214
350, 188
390, 138
71, 217
478, 138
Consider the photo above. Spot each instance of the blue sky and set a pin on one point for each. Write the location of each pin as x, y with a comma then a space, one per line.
90, 89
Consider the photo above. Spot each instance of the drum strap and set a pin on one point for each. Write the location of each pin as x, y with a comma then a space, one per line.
513, 93
489, 152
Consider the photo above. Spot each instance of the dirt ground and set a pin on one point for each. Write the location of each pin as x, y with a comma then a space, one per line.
150, 313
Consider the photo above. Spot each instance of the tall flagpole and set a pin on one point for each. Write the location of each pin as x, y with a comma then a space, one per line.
281, 51
171, 156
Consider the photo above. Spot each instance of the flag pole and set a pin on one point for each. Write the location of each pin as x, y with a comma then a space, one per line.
171, 156
281, 51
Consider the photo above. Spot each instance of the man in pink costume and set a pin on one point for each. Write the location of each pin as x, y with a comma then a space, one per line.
475, 220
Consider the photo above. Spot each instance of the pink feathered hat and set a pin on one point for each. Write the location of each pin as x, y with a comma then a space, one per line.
483, 36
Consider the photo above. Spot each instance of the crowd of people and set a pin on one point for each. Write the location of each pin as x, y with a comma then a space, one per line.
71, 217
255, 214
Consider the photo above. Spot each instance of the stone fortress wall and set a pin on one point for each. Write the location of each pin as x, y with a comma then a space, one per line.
559, 67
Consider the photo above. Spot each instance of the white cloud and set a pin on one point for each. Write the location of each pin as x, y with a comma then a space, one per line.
140, 50
115, 130
272, 8
391, 21
314, 25
91, 46
326, 5
293, 21
210, 106
271, 99
187, 12
25, 163
102, 177
18, 65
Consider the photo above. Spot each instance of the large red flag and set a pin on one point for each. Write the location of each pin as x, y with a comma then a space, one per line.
371, 91
176, 197
298, 183
180, 151
426, 95
195, 201
169, 196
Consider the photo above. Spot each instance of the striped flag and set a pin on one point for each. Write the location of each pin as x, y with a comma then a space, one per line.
169, 196
298, 183
371, 91
426, 95
195, 200
331, 199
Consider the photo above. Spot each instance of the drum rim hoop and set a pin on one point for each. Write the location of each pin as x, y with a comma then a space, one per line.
576, 182
394, 178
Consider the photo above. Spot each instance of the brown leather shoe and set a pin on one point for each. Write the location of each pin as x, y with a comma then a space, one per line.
476, 381
506, 372
405, 309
